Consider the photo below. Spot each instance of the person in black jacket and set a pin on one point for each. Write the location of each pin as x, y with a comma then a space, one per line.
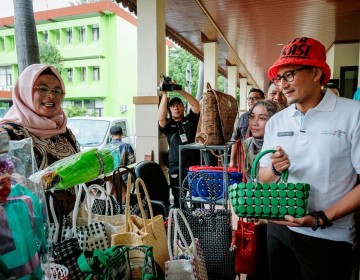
180, 129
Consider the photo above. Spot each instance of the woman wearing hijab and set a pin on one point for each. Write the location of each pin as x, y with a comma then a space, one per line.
36, 113
260, 113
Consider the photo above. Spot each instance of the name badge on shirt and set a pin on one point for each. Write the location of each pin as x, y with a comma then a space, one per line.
183, 138
285, 133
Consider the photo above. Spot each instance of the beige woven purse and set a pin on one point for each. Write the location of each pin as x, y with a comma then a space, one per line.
142, 231
217, 117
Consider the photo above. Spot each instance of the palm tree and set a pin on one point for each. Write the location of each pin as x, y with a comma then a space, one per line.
27, 48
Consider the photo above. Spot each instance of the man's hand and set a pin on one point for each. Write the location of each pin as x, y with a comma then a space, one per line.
280, 160
306, 221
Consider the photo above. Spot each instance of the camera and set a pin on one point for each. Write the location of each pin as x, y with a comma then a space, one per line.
167, 85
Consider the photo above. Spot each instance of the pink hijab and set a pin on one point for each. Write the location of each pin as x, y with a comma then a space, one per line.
22, 111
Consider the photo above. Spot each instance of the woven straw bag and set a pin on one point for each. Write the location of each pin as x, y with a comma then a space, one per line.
217, 117
142, 231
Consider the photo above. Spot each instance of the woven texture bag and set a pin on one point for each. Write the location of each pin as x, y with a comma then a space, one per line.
213, 228
269, 201
142, 231
119, 263
91, 233
186, 261
245, 243
217, 117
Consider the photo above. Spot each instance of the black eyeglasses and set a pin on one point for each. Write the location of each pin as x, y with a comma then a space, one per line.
45, 90
288, 76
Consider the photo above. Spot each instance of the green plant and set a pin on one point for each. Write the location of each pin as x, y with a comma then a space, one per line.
75, 111
50, 55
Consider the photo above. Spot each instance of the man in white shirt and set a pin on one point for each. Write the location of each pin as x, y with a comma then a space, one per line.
318, 139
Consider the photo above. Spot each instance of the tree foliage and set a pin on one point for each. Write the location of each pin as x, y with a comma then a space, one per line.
75, 111
178, 61
50, 55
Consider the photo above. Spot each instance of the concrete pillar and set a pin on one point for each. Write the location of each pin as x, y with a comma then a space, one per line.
243, 95
232, 80
247, 93
210, 64
151, 62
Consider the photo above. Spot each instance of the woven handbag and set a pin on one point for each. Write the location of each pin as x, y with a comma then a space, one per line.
91, 234
118, 206
66, 253
217, 117
245, 243
186, 261
119, 263
213, 228
142, 231
269, 201
200, 188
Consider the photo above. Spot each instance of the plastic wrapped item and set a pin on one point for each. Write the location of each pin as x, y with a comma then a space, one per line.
23, 243
79, 168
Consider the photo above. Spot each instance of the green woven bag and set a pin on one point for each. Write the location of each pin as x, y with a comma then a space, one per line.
269, 200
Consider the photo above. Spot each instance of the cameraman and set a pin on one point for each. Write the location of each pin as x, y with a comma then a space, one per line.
180, 129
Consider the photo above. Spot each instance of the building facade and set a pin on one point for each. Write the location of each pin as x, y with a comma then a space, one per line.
98, 42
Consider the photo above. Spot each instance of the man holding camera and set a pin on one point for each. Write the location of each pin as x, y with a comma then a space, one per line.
180, 129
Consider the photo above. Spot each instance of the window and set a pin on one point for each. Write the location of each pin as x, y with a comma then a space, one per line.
82, 74
96, 73
95, 32
5, 77
69, 35
70, 75
57, 37
82, 34
46, 36
2, 44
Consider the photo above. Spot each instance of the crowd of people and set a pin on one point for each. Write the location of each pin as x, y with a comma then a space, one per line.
316, 134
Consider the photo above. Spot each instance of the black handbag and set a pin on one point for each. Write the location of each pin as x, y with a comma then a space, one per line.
212, 227
98, 206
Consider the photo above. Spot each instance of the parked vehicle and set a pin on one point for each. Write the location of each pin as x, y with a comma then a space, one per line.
94, 132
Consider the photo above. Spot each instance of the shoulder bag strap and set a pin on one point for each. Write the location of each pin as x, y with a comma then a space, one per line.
241, 159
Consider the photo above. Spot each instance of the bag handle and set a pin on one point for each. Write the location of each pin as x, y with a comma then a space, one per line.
170, 219
138, 182
51, 198
191, 178
88, 203
173, 216
241, 159
242, 229
88, 200
177, 230
284, 175
117, 173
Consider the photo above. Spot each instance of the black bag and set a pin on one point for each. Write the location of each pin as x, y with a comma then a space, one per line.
98, 206
213, 228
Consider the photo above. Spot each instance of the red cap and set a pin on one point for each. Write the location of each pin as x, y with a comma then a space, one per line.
302, 51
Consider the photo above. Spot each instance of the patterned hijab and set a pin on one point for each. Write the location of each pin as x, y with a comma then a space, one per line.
22, 112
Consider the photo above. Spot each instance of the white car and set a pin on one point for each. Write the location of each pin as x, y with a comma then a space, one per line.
94, 132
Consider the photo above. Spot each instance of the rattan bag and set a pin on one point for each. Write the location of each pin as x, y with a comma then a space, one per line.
217, 117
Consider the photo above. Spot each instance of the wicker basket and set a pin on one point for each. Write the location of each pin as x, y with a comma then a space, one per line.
217, 117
